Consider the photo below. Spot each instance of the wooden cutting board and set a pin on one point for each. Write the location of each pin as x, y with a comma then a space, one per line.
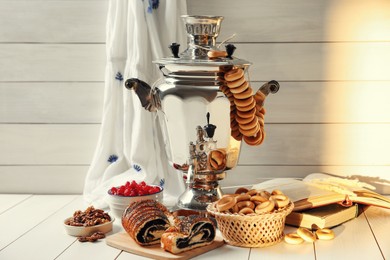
124, 242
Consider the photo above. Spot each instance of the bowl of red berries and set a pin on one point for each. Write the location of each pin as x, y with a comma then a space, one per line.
121, 196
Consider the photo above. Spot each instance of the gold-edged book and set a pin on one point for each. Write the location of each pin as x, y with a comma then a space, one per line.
323, 217
318, 189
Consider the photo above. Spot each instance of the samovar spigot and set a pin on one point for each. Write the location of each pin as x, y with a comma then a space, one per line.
202, 175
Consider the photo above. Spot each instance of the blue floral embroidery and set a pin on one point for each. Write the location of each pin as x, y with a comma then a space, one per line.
137, 167
153, 4
119, 76
112, 158
162, 182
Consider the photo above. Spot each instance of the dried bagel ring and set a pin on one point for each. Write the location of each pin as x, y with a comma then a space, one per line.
244, 103
245, 204
234, 74
249, 132
212, 54
293, 239
254, 139
265, 207
229, 195
280, 200
235, 209
246, 114
244, 121
234, 124
325, 234
226, 203
261, 121
242, 197
224, 89
236, 134
252, 192
240, 89
258, 198
262, 111
249, 125
241, 190
259, 97
236, 83
245, 94
217, 160
306, 234
213, 165
246, 211
265, 194
277, 192
225, 68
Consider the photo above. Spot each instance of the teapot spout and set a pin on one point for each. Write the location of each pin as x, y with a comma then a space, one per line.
149, 97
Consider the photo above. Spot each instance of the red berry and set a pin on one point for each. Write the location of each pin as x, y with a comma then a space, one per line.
121, 190
114, 190
156, 189
135, 189
127, 192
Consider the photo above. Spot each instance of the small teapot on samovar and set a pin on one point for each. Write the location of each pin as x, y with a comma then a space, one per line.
197, 112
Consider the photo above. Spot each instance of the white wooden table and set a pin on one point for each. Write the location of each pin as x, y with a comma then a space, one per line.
31, 228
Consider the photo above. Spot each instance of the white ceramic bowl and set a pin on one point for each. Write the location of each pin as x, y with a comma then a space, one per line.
86, 231
118, 203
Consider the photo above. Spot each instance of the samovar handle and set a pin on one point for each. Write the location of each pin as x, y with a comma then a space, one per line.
270, 87
164, 70
149, 97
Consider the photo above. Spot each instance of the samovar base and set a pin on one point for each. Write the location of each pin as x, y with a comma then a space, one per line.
198, 199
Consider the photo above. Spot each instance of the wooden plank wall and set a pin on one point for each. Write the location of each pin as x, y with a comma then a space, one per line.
331, 114
52, 60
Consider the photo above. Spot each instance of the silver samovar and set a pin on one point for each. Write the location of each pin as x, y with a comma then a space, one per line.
192, 112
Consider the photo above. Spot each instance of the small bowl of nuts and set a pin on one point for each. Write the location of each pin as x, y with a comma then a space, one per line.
90, 224
121, 196
251, 218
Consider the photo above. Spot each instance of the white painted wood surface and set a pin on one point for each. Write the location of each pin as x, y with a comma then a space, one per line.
51, 144
52, 62
45, 21
331, 113
51, 102
63, 179
40, 235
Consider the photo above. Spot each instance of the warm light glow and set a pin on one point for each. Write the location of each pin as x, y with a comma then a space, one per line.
359, 57
361, 20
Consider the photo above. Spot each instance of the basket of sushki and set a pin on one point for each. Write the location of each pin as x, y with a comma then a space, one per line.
251, 218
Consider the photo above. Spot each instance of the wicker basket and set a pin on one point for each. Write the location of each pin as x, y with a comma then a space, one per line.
252, 230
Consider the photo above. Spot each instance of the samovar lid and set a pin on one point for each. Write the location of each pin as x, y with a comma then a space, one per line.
202, 31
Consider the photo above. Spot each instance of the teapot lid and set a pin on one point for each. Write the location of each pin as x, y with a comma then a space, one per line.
202, 31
